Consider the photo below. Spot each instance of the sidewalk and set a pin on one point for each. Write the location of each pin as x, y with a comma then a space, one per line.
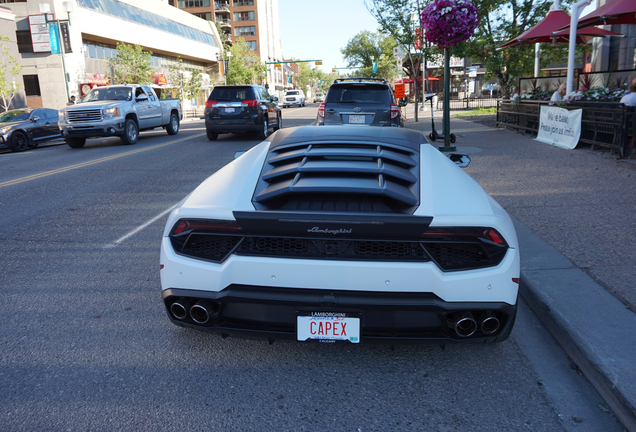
575, 213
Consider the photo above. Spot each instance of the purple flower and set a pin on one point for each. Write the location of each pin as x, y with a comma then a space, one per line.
449, 22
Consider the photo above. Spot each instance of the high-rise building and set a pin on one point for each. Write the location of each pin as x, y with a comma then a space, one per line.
256, 21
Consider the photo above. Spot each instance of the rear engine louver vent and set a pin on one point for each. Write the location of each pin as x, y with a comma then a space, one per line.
339, 177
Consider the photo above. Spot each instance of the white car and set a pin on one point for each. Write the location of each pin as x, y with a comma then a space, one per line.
294, 98
325, 233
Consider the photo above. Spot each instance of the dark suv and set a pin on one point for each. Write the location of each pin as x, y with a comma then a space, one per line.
241, 108
360, 101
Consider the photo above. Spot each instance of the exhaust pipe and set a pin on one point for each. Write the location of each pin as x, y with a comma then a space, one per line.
463, 323
204, 311
179, 309
488, 323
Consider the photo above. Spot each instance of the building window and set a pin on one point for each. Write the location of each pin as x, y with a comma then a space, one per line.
205, 15
24, 41
245, 31
251, 45
244, 16
31, 85
193, 3
238, 3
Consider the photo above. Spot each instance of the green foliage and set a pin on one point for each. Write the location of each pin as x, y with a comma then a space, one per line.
9, 70
244, 66
308, 76
365, 44
131, 65
186, 86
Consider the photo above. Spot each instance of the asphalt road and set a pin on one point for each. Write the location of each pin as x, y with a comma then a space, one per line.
85, 343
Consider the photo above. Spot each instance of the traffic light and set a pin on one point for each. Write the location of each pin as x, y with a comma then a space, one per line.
334, 70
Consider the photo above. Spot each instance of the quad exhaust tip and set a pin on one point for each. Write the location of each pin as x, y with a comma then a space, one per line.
465, 324
204, 311
488, 323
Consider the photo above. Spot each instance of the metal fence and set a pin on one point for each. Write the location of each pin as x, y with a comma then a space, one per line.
465, 104
609, 125
584, 80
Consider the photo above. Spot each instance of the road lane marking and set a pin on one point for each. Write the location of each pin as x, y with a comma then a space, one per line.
93, 162
139, 228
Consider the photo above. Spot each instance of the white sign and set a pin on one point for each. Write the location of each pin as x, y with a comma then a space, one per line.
472, 72
40, 37
560, 127
399, 63
439, 62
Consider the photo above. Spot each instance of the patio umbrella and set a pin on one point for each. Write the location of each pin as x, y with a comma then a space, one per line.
548, 30
612, 12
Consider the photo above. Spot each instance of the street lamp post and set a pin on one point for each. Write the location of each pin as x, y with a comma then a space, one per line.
45, 8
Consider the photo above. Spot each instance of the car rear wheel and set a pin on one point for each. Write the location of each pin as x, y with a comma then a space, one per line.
131, 132
279, 123
19, 142
75, 142
264, 132
173, 126
212, 136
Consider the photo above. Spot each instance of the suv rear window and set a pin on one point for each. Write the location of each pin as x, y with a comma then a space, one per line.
232, 94
293, 93
359, 94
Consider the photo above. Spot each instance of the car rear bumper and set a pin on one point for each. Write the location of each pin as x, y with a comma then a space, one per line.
228, 126
268, 312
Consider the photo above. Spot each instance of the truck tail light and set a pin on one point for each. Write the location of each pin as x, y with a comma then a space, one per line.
321, 110
210, 103
395, 111
250, 103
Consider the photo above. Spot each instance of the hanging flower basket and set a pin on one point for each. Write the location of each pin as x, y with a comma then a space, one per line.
449, 22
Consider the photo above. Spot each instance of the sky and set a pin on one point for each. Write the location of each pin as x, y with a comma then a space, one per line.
317, 30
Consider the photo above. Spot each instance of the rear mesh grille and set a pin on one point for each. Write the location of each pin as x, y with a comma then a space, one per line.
384, 175
449, 256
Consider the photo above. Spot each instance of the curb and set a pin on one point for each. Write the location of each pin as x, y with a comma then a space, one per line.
592, 326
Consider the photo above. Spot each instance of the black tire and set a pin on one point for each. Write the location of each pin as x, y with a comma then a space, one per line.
19, 141
75, 142
212, 136
279, 123
131, 132
173, 125
432, 136
452, 138
264, 132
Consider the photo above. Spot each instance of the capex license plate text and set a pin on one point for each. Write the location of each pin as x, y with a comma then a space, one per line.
328, 326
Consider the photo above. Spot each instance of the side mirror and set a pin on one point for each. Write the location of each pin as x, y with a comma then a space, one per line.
142, 98
403, 102
35, 119
461, 160
274, 98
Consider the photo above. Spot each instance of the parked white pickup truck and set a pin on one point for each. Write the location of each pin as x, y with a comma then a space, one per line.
118, 110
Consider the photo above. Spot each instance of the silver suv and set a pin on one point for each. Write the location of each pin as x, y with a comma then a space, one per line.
360, 101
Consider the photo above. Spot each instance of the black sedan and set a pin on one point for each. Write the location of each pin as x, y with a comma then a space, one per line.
27, 127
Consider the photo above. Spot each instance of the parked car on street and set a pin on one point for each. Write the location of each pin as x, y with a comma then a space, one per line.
28, 127
241, 108
360, 101
320, 97
294, 98
331, 233
119, 110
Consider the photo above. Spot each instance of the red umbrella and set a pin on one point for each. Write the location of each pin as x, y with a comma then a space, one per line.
545, 31
612, 12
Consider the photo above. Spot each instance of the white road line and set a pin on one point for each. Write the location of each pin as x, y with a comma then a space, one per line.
139, 228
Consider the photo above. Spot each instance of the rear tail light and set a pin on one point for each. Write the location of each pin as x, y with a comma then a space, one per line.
208, 226
250, 103
395, 111
321, 110
210, 103
463, 234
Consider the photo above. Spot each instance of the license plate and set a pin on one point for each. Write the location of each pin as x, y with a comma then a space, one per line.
328, 327
356, 119
229, 110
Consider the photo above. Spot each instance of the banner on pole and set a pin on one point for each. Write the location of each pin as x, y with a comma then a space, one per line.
560, 127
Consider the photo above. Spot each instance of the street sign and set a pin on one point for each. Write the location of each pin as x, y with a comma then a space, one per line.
318, 63
334, 70
278, 65
399, 91
399, 63
472, 72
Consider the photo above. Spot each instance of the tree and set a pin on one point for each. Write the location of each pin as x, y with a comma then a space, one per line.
131, 65
365, 44
187, 84
308, 76
9, 70
244, 66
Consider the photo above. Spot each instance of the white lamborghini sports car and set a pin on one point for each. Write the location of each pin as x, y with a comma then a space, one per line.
332, 233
